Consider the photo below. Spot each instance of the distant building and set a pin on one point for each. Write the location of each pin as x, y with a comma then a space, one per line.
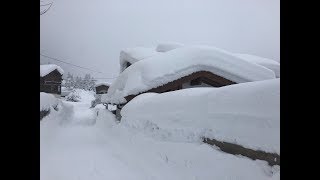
102, 87
50, 78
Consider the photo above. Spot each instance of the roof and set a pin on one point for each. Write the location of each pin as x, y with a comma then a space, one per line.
268, 63
168, 46
133, 55
48, 68
169, 66
102, 83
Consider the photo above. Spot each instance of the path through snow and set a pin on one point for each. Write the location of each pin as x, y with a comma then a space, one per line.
77, 145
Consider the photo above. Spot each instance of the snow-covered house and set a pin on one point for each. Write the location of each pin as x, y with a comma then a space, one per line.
50, 78
102, 87
180, 68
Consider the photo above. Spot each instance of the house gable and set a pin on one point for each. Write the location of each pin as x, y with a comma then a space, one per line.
194, 79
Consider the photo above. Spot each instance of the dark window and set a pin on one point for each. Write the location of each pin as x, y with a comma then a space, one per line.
128, 64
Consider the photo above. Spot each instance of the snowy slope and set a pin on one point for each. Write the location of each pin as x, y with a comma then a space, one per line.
102, 149
247, 114
133, 55
268, 63
166, 67
48, 68
47, 101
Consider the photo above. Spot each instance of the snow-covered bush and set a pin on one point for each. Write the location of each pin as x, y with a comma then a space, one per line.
80, 95
73, 96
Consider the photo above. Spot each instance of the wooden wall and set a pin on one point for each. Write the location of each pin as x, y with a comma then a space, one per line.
51, 83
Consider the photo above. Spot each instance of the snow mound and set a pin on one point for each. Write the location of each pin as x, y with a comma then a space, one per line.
168, 46
48, 68
247, 114
47, 101
268, 63
133, 55
167, 67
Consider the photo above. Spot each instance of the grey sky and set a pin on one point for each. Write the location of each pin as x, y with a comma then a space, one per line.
91, 33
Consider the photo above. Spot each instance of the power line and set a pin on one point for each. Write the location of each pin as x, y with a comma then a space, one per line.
69, 63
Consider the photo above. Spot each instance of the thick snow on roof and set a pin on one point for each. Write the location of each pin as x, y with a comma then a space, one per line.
133, 55
168, 46
99, 83
166, 67
247, 114
48, 68
268, 63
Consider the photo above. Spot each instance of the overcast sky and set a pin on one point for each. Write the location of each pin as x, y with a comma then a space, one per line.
91, 33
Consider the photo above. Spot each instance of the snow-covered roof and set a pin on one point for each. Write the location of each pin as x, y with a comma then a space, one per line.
167, 67
48, 68
168, 46
99, 83
268, 63
133, 55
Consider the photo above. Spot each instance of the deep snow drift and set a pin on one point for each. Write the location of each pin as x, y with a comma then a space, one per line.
246, 114
102, 149
47, 101
166, 67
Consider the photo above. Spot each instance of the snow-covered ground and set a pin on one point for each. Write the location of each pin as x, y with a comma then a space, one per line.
76, 144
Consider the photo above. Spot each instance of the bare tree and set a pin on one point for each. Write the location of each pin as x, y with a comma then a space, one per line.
44, 7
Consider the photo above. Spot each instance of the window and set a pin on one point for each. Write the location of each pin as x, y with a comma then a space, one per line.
128, 64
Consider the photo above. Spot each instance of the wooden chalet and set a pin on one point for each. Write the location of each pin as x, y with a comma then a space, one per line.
50, 79
102, 88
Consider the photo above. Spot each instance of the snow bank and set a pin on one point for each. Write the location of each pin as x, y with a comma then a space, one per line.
168, 46
48, 68
47, 101
247, 114
268, 63
166, 67
133, 55
106, 150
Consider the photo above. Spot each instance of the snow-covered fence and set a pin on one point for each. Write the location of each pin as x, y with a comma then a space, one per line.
271, 158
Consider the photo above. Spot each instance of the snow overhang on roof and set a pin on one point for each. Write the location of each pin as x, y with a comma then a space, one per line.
102, 83
48, 68
133, 55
